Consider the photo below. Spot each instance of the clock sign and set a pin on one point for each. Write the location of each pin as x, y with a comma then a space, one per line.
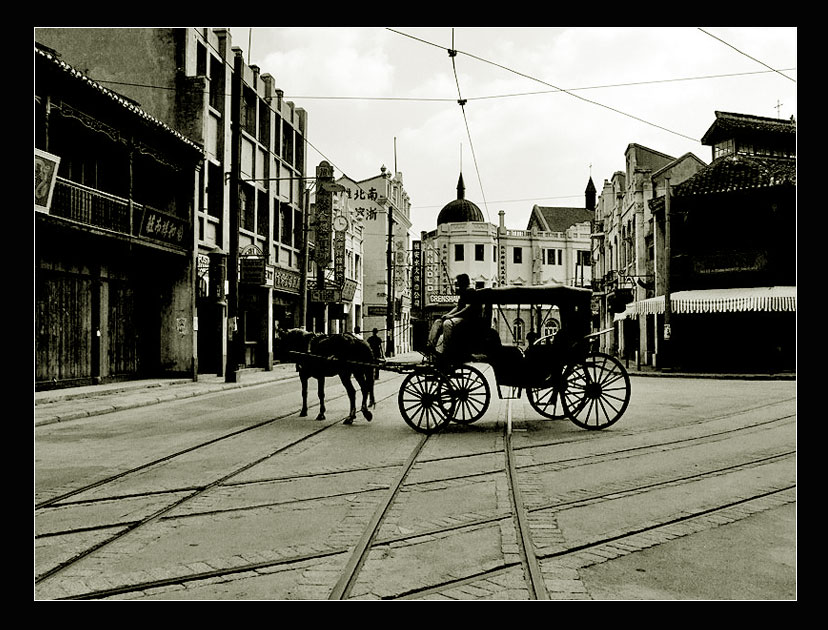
340, 223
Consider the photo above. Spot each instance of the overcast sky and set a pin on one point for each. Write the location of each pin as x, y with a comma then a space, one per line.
545, 107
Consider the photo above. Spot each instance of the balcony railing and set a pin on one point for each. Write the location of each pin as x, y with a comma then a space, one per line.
102, 210
92, 207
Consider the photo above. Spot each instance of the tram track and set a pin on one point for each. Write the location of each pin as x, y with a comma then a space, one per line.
181, 501
514, 470
355, 556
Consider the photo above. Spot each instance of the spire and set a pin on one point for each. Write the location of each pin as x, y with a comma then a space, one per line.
461, 188
589, 193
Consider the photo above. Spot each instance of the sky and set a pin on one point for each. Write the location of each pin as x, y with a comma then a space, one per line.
545, 108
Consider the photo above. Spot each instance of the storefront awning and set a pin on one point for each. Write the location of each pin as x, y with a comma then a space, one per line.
738, 300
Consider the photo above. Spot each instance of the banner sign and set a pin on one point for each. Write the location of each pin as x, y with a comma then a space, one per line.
163, 227
348, 290
252, 270
326, 296
286, 280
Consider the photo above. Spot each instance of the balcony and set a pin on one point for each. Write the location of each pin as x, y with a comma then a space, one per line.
98, 209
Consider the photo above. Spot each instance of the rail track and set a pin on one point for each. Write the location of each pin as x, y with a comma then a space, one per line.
521, 517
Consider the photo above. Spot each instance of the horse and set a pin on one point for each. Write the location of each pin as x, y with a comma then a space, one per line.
333, 355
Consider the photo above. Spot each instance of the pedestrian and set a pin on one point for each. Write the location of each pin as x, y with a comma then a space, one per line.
376, 348
358, 332
277, 340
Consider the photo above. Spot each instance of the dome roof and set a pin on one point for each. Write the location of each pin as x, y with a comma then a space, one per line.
461, 210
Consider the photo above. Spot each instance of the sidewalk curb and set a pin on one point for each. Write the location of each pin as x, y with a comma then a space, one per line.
173, 395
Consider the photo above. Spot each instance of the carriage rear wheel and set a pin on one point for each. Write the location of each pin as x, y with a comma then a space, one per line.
546, 401
425, 400
596, 391
471, 394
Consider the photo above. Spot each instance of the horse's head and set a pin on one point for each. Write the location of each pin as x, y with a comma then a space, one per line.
296, 340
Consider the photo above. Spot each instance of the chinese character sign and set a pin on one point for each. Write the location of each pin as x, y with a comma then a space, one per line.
416, 276
339, 258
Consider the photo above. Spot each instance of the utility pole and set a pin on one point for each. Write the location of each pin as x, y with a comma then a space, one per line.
233, 332
389, 262
303, 275
668, 307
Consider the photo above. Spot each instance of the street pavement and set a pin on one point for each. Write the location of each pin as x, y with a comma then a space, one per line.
770, 530
62, 405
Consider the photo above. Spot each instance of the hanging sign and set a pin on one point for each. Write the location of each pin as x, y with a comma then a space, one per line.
339, 258
46, 168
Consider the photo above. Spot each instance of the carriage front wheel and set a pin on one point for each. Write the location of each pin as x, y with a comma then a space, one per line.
425, 400
595, 392
471, 394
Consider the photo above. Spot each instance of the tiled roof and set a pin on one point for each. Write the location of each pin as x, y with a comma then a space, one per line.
123, 101
728, 125
739, 172
561, 219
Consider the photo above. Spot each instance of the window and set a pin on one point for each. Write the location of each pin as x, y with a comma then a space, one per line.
215, 190
584, 258
478, 252
262, 214
217, 91
459, 252
286, 224
517, 330
517, 255
550, 328
248, 208
248, 111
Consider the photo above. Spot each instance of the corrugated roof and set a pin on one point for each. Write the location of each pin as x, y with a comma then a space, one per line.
121, 100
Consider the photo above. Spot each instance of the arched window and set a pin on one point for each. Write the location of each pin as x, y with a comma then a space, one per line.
550, 329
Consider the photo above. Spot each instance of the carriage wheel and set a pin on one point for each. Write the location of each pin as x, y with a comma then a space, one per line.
471, 394
596, 391
425, 401
547, 402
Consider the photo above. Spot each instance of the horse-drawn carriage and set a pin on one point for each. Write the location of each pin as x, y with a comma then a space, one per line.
563, 375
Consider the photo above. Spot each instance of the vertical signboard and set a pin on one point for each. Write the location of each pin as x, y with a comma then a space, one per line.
324, 212
339, 258
416, 277
501, 268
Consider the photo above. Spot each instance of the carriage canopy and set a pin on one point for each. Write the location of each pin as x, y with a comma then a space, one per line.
559, 295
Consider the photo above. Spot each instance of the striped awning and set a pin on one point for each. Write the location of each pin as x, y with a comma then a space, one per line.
737, 300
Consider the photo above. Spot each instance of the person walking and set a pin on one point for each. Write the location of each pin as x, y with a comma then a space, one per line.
376, 348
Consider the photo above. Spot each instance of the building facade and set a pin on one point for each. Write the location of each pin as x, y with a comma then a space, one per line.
250, 193
115, 197
553, 249
709, 284
625, 242
382, 208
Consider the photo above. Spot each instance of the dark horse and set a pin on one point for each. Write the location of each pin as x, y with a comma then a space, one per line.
339, 355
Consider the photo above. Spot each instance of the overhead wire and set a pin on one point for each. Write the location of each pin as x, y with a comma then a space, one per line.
556, 89
462, 103
564, 90
741, 52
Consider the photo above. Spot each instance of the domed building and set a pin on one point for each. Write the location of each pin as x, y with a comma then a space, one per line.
460, 210
554, 248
